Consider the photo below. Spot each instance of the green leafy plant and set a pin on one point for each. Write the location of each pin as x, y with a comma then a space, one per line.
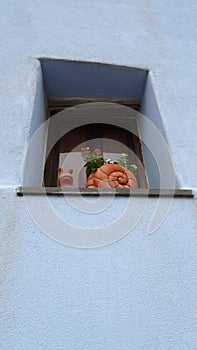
123, 160
94, 160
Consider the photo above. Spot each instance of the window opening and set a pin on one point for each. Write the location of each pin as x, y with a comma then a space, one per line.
110, 139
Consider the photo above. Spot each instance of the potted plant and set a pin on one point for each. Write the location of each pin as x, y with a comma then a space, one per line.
103, 173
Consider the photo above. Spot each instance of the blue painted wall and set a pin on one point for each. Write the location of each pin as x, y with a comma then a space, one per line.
139, 292
67, 78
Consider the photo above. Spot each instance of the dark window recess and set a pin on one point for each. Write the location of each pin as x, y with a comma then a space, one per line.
112, 140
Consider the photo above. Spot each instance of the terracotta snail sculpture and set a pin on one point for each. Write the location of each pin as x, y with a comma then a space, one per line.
112, 176
65, 179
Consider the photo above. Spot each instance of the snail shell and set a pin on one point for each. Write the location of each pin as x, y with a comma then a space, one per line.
112, 176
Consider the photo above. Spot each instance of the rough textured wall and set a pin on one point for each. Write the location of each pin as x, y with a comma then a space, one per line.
156, 35
138, 293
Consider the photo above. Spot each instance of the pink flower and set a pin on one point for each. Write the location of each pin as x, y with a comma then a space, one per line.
97, 150
85, 149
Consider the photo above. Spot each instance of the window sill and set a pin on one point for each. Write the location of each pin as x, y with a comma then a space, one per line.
140, 192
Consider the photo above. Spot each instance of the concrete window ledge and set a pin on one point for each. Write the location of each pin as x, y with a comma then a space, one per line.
140, 192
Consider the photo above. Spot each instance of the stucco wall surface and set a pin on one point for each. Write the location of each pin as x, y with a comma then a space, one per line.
156, 35
139, 292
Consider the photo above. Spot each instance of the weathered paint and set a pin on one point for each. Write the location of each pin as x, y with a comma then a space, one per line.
140, 292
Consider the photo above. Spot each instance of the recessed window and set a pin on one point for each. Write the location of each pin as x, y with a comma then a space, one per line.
62, 84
